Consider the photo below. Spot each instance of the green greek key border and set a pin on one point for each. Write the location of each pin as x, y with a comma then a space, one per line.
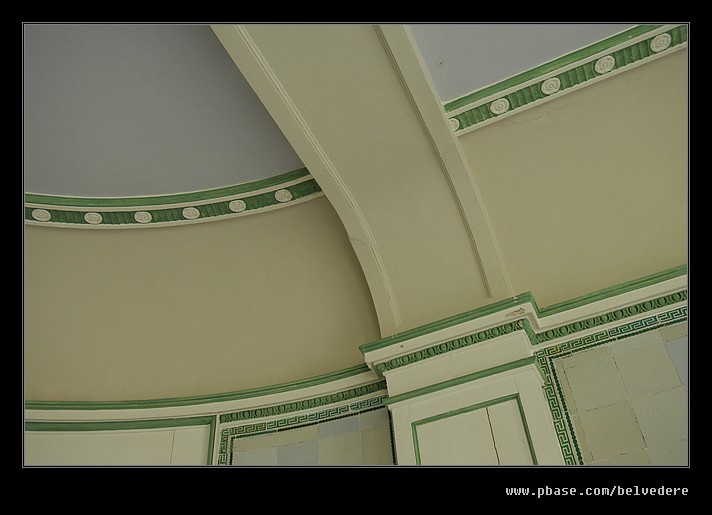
132, 424
163, 209
563, 424
483, 405
534, 338
636, 52
228, 434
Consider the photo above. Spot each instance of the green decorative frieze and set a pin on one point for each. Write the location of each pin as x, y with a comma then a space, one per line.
539, 338
315, 402
555, 79
636, 309
149, 211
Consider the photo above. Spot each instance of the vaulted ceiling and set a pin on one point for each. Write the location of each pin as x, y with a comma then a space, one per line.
358, 181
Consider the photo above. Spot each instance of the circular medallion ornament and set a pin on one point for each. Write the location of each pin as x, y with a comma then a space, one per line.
143, 217
499, 106
604, 64
41, 215
550, 86
238, 206
191, 213
454, 123
660, 42
93, 218
283, 195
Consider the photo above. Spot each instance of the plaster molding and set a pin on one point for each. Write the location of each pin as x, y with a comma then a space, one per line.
607, 58
195, 207
581, 317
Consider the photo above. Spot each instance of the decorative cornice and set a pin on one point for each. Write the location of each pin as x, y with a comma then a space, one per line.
200, 206
292, 407
534, 338
526, 298
565, 74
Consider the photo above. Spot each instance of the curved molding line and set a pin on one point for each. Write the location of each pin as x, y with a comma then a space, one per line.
571, 72
639, 303
200, 206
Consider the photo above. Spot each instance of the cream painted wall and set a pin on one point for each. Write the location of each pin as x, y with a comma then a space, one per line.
191, 310
590, 190
179, 446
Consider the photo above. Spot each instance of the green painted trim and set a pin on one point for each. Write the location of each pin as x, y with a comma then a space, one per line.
612, 291
523, 299
562, 421
419, 392
203, 399
229, 434
161, 200
120, 425
525, 95
159, 215
534, 338
292, 407
468, 409
550, 66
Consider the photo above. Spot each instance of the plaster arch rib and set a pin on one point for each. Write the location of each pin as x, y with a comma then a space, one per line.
394, 173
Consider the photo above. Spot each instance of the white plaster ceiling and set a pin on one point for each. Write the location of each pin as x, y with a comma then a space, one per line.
115, 110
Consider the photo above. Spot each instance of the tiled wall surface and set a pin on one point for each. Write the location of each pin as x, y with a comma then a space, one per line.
362, 439
628, 399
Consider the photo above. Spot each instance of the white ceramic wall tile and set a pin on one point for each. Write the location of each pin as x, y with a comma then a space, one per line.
632, 459
254, 442
341, 449
581, 439
339, 426
596, 384
678, 351
376, 446
566, 390
612, 430
190, 446
298, 454
636, 342
662, 416
673, 332
464, 439
647, 370
374, 418
585, 356
300, 434
670, 455
510, 438
255, 457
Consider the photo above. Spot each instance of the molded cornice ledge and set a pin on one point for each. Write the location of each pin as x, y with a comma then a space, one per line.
514, 330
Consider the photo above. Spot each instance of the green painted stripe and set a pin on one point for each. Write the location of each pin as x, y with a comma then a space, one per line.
550, 66
203, 399
119, 424
522, 299
460, 380
612, 291
159, 200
